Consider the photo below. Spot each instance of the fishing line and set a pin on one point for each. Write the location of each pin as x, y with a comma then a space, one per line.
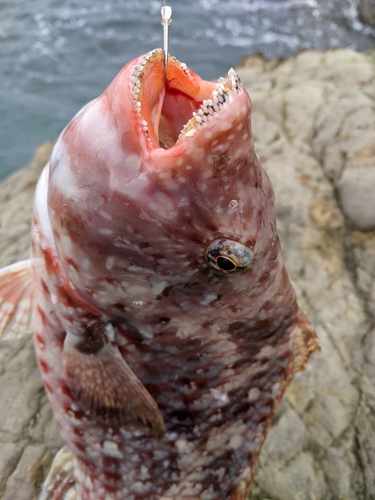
166, 19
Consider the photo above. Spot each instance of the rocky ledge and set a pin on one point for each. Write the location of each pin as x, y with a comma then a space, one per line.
314, 130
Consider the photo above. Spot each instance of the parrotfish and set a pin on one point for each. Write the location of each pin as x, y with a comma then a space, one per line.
166, 327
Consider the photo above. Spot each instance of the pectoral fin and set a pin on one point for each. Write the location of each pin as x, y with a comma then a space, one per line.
16, 299
106, 387
305, 342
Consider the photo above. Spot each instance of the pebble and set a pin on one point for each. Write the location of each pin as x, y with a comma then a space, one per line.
366, 12
356, 189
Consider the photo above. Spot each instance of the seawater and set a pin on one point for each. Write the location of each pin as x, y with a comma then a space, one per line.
56, 55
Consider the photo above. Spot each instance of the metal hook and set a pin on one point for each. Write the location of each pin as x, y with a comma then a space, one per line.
166, 19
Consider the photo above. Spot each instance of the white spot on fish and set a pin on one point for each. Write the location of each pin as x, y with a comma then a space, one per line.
181, 445
139, 487
233, 204
110, 332
111, 448
71, 495
235, 441
105, 215
253, 394
105, 231
54, 299
221, 397
85, 263
138, 303
144, 473
275, 389
208, 298
157, 287
110, 263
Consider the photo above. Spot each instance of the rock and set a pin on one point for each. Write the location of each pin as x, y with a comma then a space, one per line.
313, 123
26, 480
356, 189
16, 199
366, 11
363, 257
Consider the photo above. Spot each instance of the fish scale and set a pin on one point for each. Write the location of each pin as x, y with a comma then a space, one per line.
165, 324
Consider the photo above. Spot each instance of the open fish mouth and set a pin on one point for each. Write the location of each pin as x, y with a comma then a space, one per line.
175, 105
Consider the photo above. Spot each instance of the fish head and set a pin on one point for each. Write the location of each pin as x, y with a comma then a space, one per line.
157, 182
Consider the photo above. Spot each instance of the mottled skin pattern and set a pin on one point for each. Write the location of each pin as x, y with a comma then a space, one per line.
120, 236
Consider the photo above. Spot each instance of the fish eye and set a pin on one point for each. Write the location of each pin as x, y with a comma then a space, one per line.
228, 256
225, 263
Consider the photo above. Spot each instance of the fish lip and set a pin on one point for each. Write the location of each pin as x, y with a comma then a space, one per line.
207, 99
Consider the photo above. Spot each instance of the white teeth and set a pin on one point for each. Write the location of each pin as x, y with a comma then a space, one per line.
235, 80
183, 67
222, 95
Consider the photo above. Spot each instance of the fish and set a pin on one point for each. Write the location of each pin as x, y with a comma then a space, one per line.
166, 327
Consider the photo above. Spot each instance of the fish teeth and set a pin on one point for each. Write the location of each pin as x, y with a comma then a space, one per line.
235, 81
222, 95
183, 67
135, 80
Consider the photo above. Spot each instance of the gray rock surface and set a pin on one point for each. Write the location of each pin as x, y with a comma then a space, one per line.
313, 120
366, 11
356, 189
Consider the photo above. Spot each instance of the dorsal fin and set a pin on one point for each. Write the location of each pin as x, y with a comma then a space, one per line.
16, 299
305, 342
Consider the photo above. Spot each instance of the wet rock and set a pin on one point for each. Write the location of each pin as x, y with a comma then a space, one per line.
366, 11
